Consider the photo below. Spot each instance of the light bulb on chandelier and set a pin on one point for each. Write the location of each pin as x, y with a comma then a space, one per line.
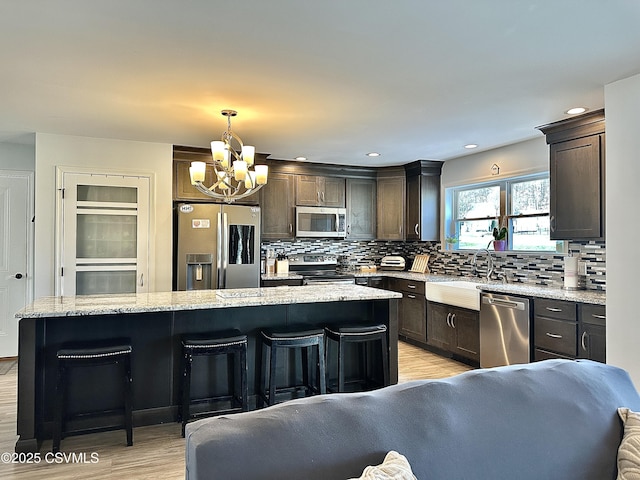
236, 174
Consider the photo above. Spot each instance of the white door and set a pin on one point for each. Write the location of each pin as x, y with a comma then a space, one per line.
16, 199
105, 234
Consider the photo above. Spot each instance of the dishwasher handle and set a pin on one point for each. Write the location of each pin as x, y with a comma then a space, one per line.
498, 302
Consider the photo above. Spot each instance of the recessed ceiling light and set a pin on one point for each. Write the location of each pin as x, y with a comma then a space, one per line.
575, 110
301, 158
471, 145
373, 154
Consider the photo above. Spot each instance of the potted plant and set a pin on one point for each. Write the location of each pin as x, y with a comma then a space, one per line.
450, 242
499, 239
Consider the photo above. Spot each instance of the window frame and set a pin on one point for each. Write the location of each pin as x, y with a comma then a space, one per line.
506, 216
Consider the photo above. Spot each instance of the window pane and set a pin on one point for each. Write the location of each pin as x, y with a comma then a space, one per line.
106, 236
475, 234
530, 197
478, 203
532, 233
101, 193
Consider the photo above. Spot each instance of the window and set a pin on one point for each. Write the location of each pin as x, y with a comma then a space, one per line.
520, 204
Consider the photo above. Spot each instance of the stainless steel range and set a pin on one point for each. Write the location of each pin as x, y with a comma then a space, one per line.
316, 269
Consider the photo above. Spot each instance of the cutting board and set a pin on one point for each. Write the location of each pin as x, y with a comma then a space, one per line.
420, 264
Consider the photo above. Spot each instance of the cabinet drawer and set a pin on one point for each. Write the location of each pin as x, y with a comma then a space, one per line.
556, 335
593, 314
554, 309
402, 285
544, 355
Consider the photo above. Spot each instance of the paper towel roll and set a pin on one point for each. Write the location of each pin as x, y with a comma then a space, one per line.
571, 272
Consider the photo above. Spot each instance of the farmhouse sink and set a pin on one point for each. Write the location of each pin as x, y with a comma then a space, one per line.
457, 293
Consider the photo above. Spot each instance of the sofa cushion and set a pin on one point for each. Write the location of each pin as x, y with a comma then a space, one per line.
629, 450
394, 467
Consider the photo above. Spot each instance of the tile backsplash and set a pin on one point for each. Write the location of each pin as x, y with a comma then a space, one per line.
518, 267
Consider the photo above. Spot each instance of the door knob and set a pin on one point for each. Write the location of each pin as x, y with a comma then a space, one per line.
18, 276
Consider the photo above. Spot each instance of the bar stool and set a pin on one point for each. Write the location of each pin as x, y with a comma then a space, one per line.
92, 354
293, 337
361, 334
233, 344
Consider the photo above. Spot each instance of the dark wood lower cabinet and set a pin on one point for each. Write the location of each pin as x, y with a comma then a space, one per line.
412, 320
454, 329
569, 330
592, 338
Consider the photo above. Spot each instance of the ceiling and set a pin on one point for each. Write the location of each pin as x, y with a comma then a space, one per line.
331, 80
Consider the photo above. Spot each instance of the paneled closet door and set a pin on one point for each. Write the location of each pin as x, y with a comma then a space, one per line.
105, 234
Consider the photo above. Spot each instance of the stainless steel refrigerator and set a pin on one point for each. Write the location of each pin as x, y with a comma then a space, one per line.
217, 246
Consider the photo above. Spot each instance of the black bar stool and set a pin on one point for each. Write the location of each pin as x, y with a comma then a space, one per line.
230, 343
293, 337
88, 355
362, 334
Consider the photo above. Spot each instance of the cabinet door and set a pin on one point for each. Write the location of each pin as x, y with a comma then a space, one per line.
593, 342
307, 190
390, 208
333, 192
466, 324
277, 206
361, 209
104, 234
413, 208
413, 315
439, 331
576, 172
592, 336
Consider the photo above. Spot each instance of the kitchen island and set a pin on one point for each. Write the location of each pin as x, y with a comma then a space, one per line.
154, 323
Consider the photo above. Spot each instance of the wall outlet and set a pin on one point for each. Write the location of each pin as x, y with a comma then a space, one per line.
582, 268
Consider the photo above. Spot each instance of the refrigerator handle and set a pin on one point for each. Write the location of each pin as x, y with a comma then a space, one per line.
219, 283
225, 248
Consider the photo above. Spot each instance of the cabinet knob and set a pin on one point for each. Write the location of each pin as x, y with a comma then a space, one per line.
453, 319
553, 335
416, 229
552, 223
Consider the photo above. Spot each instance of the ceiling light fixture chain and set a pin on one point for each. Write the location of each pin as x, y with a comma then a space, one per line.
233, 166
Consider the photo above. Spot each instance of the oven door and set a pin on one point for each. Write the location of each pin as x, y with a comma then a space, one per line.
321, 222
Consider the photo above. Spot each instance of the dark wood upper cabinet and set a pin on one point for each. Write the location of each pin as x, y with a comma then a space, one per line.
361, 208
577, 177
182, 188
313, 190
277, 204
391, 204
423, 200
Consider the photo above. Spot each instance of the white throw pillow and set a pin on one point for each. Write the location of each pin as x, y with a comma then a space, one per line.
394, 467
629, 450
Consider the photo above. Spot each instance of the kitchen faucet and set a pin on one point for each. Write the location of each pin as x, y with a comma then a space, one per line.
489, 262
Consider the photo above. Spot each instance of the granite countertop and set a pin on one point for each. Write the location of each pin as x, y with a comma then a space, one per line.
197, 300
281, 276
595, 297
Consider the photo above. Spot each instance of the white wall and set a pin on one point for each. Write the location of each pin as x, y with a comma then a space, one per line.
622, 105
531, 156
17, 156
103, 155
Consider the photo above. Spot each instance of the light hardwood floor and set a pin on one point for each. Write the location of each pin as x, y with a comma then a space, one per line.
158, 451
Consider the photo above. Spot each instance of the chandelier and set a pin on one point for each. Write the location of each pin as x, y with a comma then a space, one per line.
235, 174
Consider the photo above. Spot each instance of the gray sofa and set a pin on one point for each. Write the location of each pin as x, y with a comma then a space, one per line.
555, 419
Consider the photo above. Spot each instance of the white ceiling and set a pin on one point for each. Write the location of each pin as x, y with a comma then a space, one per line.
330, 80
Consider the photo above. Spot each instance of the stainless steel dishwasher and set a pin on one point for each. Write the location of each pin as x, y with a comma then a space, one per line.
505, 325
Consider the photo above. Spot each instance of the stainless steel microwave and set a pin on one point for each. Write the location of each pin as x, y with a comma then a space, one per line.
321, 222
